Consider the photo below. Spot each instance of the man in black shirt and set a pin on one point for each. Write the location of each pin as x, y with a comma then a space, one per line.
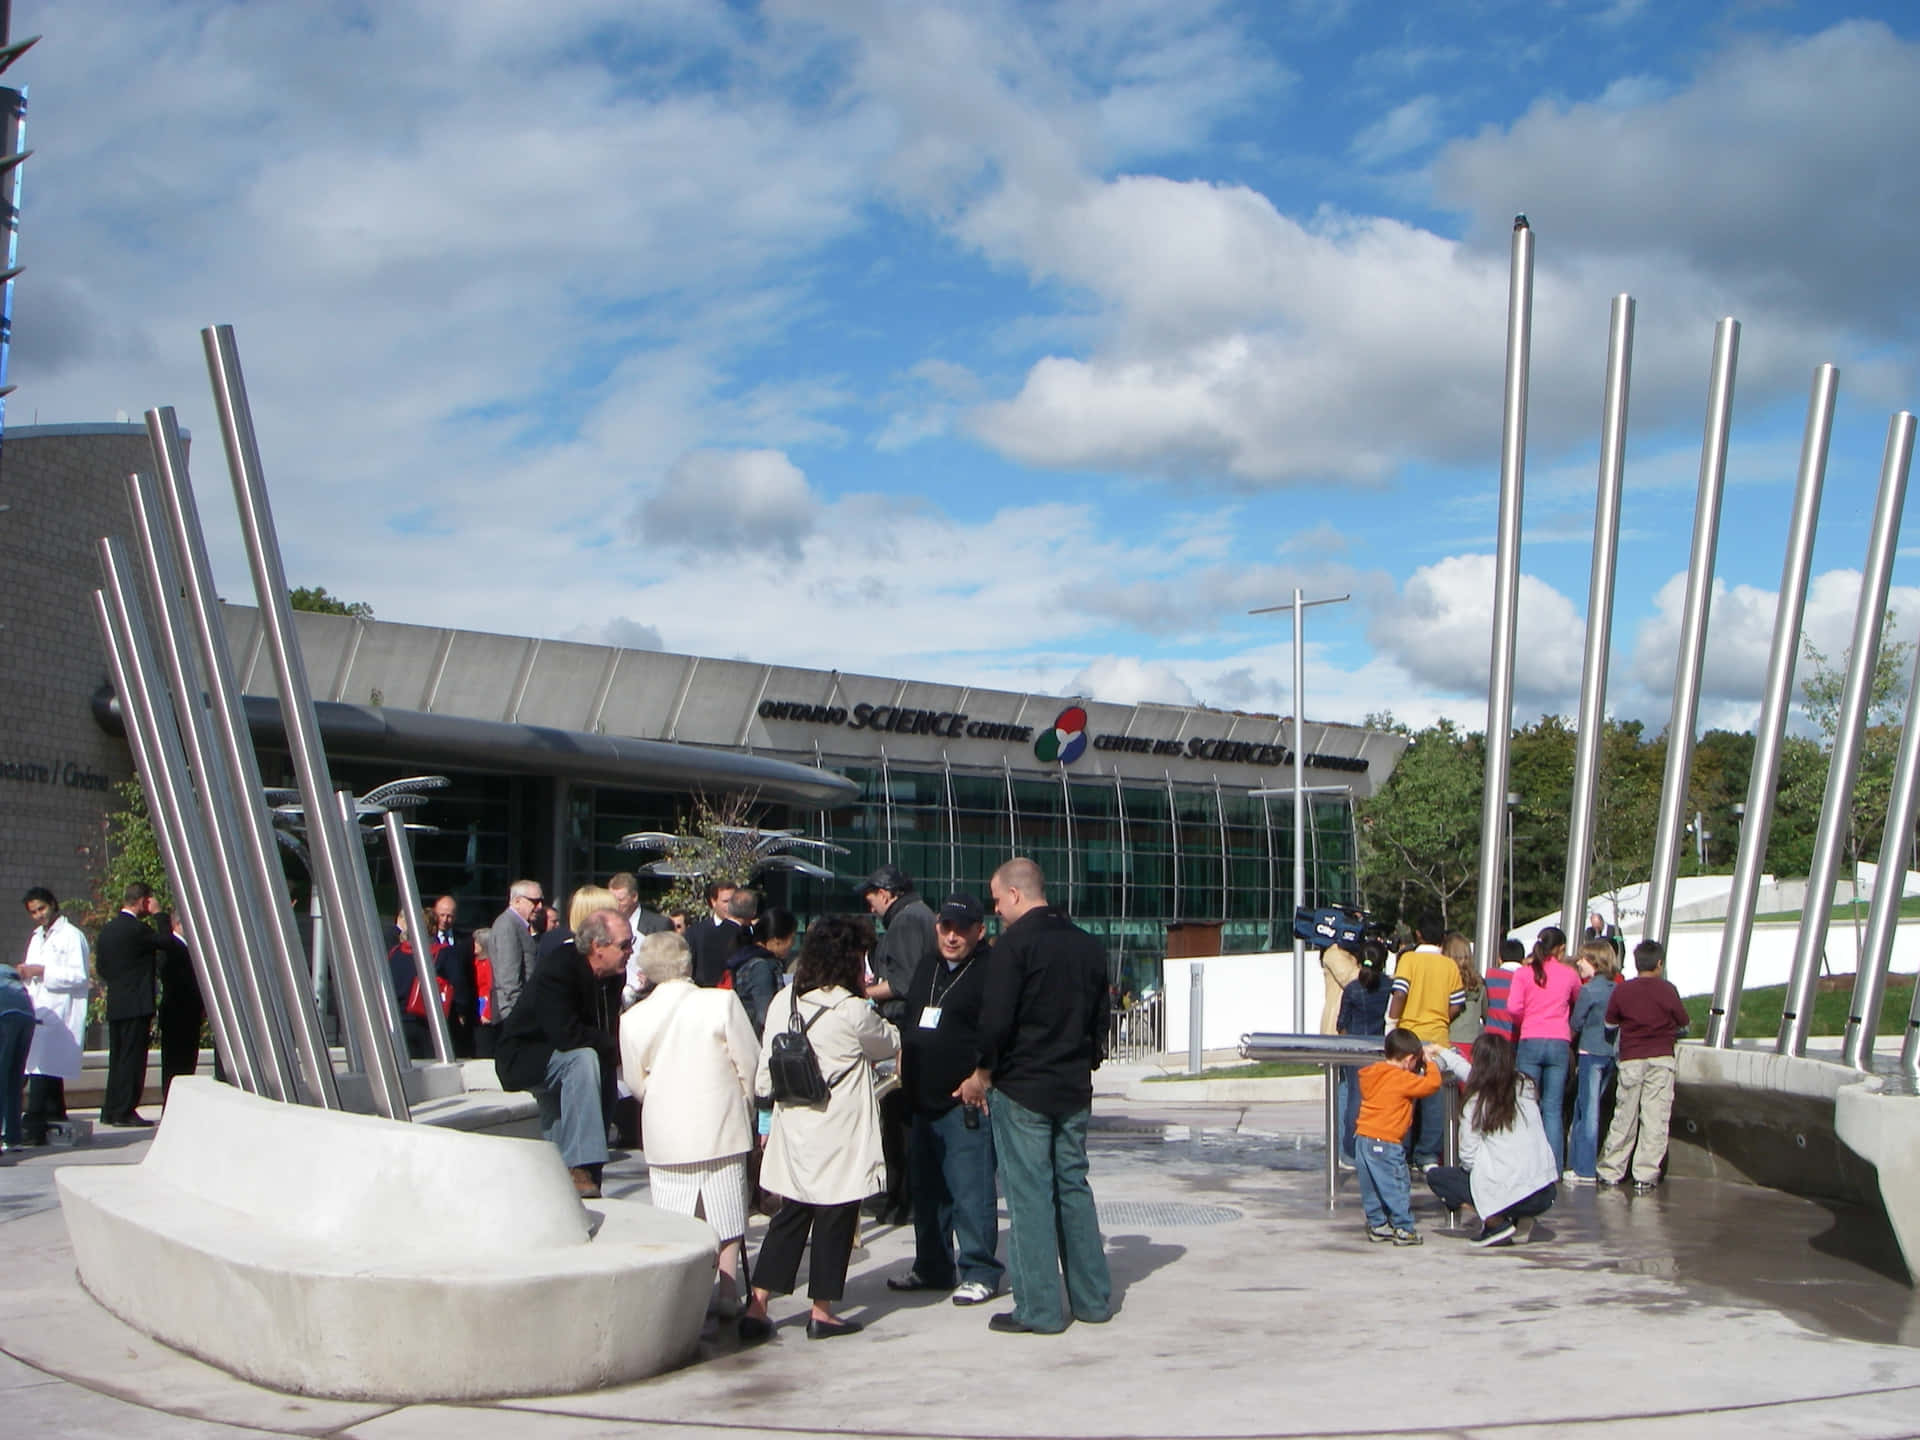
950, 1153
1043, 1028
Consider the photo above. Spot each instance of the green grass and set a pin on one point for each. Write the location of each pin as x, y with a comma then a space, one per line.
1846, 912
1263, 1070
1760, 1009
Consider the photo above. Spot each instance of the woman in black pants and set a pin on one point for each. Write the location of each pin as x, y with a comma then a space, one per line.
825, 1158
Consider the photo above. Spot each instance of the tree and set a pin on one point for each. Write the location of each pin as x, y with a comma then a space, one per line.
316, 599
1419, 833
132, 854
1821, 692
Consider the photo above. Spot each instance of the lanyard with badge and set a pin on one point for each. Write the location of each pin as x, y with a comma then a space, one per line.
930, 1012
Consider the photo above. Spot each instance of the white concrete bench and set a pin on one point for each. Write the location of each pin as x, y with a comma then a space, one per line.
359, 1258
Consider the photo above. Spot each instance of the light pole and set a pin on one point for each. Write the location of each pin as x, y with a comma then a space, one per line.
1299, 606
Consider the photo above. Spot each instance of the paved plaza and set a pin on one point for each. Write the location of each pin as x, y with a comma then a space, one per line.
1245, 1310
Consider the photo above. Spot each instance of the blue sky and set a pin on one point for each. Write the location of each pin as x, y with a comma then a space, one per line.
1023, 345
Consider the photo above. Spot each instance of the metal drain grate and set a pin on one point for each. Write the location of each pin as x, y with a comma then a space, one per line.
1162, 1214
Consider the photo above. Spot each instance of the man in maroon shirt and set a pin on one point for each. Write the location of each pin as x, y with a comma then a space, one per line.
1650, 1016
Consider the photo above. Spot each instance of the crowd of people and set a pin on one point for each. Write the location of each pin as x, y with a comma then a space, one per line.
1539, 1046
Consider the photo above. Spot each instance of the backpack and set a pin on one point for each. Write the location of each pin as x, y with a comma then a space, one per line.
793, 1070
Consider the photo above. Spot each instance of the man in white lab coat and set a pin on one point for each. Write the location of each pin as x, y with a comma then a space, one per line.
58, 984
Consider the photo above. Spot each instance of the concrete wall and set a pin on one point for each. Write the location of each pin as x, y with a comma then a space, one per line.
63, 486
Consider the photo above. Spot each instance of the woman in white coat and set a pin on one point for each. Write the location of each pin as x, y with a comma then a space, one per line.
689, 1056
58, 984
824, 1159
1506, 1165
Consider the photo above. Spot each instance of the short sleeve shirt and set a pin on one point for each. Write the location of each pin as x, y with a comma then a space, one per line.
1431, 984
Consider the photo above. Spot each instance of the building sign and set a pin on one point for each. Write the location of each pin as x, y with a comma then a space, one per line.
1062, 742
72, 774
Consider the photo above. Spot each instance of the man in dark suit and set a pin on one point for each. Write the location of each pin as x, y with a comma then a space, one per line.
552, 1043
182, 1010
453, 963
127, 956
714, 939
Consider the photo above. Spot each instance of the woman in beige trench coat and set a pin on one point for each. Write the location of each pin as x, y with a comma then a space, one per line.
824, 1159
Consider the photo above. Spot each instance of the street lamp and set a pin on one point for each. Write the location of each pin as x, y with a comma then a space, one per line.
1298, 606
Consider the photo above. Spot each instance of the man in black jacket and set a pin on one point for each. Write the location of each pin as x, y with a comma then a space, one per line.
552, 1043
714, 939
127, 955
906, 948
950, 1153
182, 1009
1043, 1029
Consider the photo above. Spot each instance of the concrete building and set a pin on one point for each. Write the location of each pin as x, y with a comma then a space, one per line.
1142, 815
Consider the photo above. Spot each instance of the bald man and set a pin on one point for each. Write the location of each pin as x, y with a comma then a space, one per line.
1043, 1031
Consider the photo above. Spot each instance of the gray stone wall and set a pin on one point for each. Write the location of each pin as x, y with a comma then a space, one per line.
64, 487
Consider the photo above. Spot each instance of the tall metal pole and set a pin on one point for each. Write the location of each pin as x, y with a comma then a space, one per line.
1836, 805
1593, 670
379, 978
1669, 825
1756, 818
400, 851
282, 953
1896, 848
176, 819
227, 879
1506, 589
354, 945
1299, 606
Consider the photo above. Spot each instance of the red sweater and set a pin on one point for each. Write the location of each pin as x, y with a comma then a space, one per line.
1648, 1011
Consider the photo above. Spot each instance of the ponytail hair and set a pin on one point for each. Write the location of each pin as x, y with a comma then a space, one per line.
1549, 944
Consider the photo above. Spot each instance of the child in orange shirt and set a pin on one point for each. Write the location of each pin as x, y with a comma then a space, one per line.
1388, 1089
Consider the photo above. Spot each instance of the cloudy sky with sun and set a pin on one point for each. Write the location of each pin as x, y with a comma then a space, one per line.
1027, 345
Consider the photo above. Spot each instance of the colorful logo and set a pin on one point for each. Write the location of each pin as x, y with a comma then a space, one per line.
1066, 739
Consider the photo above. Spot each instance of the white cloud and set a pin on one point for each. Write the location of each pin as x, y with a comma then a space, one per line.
1440, 629
624, 631
730, 502
1405, 128
1124, 680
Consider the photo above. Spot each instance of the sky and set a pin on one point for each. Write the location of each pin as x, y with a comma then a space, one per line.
1018, 345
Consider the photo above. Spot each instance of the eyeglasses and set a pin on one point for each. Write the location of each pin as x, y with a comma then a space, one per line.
534, 899
626, 944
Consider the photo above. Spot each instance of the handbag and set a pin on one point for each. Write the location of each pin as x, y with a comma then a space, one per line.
417, 1007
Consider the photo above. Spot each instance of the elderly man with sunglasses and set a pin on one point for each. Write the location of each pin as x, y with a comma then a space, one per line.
552, 1043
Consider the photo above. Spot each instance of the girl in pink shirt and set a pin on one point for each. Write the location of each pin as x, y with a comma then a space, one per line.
1541, 1002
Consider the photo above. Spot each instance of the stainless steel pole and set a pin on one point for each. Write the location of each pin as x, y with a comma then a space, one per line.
355, 948
283, 952
1668, 832
1333, 1136
228, 879
1593, 671
1299, 812
379, 980
1896, 848
163, 774
1196, 1012
1836, 806
1757, 821
400, 851
1506, 588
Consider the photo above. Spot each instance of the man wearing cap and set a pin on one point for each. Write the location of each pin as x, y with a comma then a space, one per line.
905, 949
1043, 1031
950, 1153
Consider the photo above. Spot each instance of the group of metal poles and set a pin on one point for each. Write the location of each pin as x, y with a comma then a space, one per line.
188, 731
1835, 816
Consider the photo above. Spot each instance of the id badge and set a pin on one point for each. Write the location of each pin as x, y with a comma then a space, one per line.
930, 1018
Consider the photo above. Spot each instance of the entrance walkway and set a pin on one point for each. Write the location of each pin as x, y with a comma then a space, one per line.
1246, 1310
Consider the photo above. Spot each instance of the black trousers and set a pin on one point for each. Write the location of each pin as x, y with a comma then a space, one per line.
484, 1037
896, 1132
180, 1022
833, 1228
46, 1102
128, 1043
1454, 1189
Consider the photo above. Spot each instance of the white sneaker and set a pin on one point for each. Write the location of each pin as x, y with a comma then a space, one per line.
973, 1292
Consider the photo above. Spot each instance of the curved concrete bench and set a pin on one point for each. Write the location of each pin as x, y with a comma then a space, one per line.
359, 1258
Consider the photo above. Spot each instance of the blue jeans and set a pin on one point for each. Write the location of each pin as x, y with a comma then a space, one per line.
1546, 1063
1386, 1190
1348, 1096
1427, 1138
1583, 1144
16, 1038
569, 1102
1051, 1222
951, 1171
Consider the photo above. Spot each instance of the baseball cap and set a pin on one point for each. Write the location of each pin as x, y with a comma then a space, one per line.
962, 911
887, 877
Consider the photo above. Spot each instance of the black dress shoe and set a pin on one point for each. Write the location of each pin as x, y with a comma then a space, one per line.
912, 1281
898, 1215
1007, 1323
753, 1329
831, 1329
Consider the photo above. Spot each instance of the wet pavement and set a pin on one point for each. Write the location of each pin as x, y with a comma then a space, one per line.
1246, 1309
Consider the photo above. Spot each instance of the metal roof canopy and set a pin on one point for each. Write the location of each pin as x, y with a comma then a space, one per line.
367, 732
